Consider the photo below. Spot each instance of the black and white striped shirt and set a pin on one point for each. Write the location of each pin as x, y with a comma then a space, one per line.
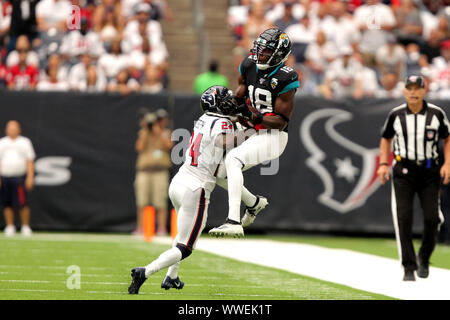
416, 136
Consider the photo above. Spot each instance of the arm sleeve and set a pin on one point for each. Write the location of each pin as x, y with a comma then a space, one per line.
291, 83
444, 126
31, 155
388, 131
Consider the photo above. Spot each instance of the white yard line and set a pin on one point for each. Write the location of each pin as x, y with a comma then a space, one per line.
357, 270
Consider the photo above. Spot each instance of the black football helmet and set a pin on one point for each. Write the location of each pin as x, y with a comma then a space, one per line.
217, 99
271, 48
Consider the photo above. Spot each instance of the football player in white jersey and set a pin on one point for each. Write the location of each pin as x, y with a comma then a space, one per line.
214, 132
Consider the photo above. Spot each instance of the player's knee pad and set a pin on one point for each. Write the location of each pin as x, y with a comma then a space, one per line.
185, 251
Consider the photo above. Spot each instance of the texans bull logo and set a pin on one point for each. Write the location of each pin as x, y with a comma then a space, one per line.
348, 171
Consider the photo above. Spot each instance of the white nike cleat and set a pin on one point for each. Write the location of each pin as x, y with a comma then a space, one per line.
26, 231
228, 229
10, 230
251, 213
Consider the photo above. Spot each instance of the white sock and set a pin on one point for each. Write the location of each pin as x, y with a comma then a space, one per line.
166, 259
246, 196
172, 272
235, 185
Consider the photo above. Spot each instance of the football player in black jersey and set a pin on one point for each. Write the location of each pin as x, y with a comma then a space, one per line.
265, 97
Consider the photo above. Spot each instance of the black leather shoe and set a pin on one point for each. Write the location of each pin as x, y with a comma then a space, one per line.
409, 275
422, 269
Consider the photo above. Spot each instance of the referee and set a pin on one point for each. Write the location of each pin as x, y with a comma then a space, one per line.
415, 128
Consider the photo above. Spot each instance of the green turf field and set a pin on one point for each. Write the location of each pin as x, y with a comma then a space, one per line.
36, 268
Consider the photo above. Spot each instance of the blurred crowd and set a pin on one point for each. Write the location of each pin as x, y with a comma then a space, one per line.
354, 48
83, 45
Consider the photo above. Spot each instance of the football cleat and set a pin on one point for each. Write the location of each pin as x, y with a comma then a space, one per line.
251, 212
168, 283
138, 276
230, 228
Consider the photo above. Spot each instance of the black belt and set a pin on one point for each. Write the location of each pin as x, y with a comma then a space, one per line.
428, 163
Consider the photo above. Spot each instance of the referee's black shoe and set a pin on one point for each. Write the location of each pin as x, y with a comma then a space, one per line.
422, 268
409, 275
138, 276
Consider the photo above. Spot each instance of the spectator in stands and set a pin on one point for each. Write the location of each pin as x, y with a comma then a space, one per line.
440, 71
237, 17
109, 27
152, 171
414, 60
431, 47
152, 80
23, 21
343, 77
301, 35
210, 78
54, 62
318, 56
54, 78
390, 86
368, 77
22, 76
288, 18
79, 41
52, 15
3, 75
339, 26
5, 19
13, 57
391, 58
111, 10
17, 177
277, 10
85, 76
409, 23
256, 23
429, 16
52, 18
142, 40
114, 60
374, 20
123, 83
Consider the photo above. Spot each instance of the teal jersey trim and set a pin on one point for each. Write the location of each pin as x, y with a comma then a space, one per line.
290, 86
276, 69
240, 72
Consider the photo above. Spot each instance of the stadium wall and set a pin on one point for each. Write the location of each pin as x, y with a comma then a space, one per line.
325, 180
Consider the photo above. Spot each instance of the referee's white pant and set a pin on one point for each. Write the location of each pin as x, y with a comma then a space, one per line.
192, 210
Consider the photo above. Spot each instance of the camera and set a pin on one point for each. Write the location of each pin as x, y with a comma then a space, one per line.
146, 118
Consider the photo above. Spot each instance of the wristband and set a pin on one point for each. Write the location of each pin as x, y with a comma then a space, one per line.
384, 164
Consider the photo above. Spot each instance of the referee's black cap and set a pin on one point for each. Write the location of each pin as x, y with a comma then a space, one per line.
418, 80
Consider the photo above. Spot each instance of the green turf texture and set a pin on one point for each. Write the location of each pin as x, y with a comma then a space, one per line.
35, 268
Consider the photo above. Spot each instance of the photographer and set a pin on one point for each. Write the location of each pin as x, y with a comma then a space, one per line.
152, 171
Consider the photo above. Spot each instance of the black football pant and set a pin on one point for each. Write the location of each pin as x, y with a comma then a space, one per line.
409, 180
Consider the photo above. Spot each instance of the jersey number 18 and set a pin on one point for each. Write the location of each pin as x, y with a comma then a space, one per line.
260, 98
